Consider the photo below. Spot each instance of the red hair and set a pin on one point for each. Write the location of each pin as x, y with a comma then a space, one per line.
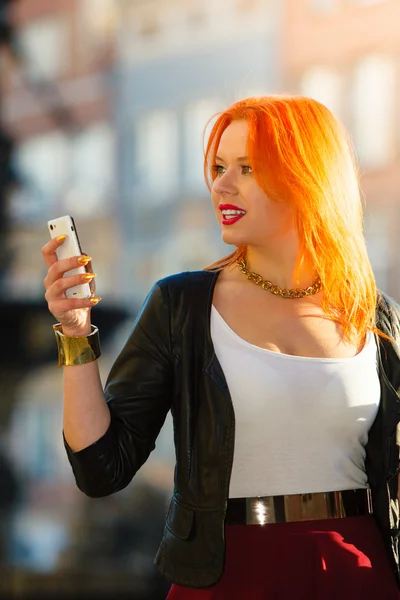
300, 153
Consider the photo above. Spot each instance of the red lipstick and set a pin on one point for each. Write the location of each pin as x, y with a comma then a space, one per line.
229, 218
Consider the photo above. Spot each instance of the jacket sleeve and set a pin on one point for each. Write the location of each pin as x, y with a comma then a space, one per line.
138, 392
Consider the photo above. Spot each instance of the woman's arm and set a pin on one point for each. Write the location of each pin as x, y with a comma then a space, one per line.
138, 395
108, 436
86, 414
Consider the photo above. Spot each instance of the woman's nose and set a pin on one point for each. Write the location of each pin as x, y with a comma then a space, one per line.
225, 184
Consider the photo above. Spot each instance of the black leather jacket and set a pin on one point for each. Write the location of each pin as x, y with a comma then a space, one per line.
169, 363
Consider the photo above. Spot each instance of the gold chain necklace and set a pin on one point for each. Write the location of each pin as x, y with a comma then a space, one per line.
275, 289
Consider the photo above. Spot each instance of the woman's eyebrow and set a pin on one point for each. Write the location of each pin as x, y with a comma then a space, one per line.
240, 159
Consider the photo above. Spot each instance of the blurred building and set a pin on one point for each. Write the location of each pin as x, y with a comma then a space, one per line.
57, 105
180, 62
345, 53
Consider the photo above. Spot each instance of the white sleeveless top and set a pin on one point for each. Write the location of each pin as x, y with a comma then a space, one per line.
301, 423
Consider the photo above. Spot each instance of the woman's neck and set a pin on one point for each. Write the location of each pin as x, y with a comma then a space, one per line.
279, 267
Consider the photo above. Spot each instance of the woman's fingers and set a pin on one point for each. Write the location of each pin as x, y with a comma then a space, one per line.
58, 268
89, 269
89, 263
63, 305
62, 284
49, 250
56, 284
64, 265
92, 287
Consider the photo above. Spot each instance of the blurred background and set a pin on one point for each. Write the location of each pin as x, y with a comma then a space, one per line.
102, 108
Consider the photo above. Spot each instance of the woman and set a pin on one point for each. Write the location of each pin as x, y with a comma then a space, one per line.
279, 364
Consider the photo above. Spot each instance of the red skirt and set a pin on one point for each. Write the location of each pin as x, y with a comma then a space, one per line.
332, 559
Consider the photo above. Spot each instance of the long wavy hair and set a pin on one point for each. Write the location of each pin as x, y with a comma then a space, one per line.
300, 153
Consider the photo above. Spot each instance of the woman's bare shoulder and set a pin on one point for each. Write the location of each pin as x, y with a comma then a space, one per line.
229, 275
230, 288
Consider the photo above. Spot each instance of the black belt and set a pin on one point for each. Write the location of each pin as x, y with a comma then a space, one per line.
298, 507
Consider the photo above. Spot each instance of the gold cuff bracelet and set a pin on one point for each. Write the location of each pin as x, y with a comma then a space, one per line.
77, 350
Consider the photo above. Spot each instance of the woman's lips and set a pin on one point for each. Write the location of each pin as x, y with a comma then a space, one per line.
231, 218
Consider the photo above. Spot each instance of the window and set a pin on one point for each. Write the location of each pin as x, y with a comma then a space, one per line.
35, 424
156, 155
325, 86
42, 163
92, 169
45, 48
374, 110
196, 117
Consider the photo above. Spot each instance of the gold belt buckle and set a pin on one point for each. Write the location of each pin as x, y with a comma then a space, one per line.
305, 507
260, 511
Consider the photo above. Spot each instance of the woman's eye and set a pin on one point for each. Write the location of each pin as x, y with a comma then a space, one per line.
218, 169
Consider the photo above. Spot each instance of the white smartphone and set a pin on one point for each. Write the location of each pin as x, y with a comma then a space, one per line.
69, 248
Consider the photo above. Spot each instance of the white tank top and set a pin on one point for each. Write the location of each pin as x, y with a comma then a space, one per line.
301, 423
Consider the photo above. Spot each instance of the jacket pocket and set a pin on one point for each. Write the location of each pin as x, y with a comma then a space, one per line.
193, 538
180, 520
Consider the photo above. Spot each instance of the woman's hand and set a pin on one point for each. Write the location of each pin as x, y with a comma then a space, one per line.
72, 313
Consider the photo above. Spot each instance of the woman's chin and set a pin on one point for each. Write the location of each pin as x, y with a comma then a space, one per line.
232, 238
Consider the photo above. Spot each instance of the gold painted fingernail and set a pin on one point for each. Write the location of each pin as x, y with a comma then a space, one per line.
95, 300
62, 237
83, 260
88, 276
